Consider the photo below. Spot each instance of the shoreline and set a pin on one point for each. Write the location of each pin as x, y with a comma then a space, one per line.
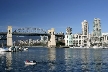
71, 47
34, 46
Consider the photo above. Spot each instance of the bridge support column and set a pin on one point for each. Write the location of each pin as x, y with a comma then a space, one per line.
9, 36
51, 39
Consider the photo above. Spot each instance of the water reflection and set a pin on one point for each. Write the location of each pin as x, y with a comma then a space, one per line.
52, 54
52, 57
97, 59
56, 60
8, 61
68, 59
2, 54
85, 59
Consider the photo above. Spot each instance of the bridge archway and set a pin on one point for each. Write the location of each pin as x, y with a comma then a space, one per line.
30, 30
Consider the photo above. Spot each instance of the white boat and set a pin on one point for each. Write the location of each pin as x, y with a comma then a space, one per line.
10, 48
4, 49
95, 47
106, 47
71, 47
25, 48
30, 62
77, 47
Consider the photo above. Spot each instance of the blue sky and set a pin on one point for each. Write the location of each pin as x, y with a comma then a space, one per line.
53, 13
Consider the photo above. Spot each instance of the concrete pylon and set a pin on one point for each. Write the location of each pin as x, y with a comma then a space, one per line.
51, 39
9, 36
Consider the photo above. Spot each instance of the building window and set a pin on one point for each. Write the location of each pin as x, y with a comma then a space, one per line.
67, 41
67, 36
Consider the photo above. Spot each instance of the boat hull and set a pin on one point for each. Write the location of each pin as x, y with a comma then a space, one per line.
30, 63
4, 49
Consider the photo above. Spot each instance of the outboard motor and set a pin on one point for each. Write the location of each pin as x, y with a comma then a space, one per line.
34, 61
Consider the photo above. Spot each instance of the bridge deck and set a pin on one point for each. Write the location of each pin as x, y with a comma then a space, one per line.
31, 34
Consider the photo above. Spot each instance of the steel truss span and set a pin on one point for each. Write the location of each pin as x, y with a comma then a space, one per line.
30, 30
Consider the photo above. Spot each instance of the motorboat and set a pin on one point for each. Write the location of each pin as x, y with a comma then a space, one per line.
27, 62
2, 49
25, 48
10, 49
71, 47
95, 47
13, 49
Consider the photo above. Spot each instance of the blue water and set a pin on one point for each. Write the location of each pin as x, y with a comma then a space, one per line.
55, 60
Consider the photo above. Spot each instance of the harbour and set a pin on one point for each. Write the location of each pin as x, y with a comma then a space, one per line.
53, 36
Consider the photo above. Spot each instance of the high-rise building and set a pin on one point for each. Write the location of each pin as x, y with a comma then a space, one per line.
96, 38
97, 27
85, 33
85, 28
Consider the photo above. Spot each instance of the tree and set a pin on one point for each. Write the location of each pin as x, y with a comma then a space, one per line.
58, 43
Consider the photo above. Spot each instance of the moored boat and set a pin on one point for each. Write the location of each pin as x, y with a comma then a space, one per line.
2, 49
25, 48
95, 47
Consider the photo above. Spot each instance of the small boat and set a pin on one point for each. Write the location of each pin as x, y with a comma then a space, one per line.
27, 62
4, 49
95, 47
71, 47
25, 48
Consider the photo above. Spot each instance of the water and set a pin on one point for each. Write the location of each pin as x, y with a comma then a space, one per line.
55, 60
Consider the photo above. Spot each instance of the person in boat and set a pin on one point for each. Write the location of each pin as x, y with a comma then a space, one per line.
27, 61
34, 61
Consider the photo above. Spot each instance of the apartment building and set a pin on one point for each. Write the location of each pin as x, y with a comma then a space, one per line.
96, 38
68, 37
82, 39
105, 39
77, 40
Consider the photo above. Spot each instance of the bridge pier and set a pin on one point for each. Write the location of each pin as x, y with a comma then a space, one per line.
51, 38
9, 36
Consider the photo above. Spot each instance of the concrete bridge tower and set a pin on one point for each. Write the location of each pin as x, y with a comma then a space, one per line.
9, 36
51, 39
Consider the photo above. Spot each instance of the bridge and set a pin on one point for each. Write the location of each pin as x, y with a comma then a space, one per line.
31, 34
28, 31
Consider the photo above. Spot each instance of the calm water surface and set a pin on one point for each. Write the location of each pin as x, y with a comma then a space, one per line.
55, 60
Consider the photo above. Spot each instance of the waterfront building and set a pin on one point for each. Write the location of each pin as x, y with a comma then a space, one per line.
68, 37
82, 39
85, 28
68, 40
85, 33
96, 38
77, 40
30, 41
97, 27
86, 39
105, 39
